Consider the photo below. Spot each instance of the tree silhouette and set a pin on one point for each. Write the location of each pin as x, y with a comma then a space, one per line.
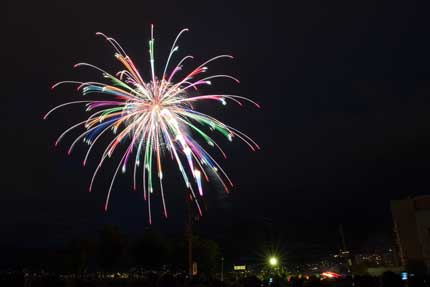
78, 254
151, 250
111, 247
206, 254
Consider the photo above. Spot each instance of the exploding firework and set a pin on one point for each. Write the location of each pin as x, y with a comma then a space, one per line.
153, 119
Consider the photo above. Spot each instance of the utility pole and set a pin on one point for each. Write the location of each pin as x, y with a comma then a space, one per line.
222, 269
342, 237
348, 254
189, 235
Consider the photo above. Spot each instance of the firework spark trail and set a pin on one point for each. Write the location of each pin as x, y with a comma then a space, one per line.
156, 116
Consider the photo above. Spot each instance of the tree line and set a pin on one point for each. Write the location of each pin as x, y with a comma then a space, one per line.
112, 251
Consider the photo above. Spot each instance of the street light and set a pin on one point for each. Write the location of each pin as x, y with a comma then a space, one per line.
273, 261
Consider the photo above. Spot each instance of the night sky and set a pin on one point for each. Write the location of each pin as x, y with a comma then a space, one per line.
344, 126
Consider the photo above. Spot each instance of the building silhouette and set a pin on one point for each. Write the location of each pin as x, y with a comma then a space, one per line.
411, 218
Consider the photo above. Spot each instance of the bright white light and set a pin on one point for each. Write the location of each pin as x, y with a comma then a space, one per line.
273, 261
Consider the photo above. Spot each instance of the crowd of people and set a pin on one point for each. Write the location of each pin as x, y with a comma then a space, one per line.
167, 279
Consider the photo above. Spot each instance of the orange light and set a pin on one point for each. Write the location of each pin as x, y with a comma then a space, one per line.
329, 274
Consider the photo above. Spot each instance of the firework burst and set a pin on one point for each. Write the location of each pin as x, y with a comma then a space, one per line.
153, 119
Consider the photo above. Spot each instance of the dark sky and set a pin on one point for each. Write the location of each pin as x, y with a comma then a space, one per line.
344, 125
